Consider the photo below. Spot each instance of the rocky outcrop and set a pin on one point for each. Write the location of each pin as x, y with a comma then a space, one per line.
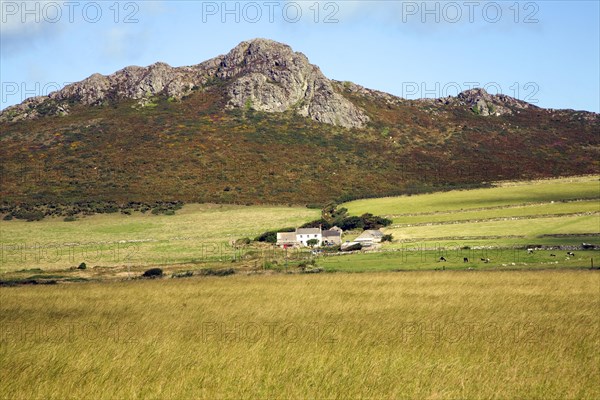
483, 103
273, 78
260, 74
263, 74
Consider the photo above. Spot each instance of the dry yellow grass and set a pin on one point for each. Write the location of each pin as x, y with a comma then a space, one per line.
425, 335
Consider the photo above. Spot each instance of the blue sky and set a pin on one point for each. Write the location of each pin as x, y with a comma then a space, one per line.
544, 52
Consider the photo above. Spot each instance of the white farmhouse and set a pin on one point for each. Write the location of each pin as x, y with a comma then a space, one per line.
303, 235
300, 238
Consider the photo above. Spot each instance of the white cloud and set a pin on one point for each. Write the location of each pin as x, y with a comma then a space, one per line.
121, 42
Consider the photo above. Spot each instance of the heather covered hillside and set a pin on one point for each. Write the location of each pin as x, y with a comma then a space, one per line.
263, 125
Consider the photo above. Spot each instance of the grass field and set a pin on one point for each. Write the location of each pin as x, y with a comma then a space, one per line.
519, 326
425, 335
503, 195
421, 258
196, 233
557, 212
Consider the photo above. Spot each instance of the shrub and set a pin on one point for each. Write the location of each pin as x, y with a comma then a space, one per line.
217, 272
371, 221
185, 274
323, 223
387, 238
29, 215
271, 265
243, 241
269, 237
8, 217
153, 273
312, 270
352, 223
70, 218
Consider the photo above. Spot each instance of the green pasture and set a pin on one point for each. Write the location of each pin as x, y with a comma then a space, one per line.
524, 211
504, 194
426, 256
194, 234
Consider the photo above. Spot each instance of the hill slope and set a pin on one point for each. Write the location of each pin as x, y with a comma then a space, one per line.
263, 125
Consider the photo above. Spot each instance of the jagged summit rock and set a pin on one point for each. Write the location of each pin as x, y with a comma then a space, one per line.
274, 78
261, 73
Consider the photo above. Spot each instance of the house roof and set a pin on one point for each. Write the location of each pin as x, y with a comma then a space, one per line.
286, 236
332, 233
308, 231
370, 234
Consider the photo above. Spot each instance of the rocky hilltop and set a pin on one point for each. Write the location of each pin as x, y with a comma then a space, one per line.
262, 74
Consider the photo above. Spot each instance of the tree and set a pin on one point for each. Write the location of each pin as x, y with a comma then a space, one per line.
351, 223
312, 242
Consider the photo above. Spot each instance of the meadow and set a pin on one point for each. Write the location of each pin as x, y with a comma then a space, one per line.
495, 223
556, 212
503, 194
425, 335
395, 324
196, 233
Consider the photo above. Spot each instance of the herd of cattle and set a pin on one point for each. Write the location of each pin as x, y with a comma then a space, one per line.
487, 260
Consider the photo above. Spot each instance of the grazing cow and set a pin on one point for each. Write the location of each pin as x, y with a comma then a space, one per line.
529, 251
465, 259
442, 259
571, 254
552, 255
487, 260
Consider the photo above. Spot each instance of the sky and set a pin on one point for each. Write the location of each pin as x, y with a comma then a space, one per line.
543, 52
